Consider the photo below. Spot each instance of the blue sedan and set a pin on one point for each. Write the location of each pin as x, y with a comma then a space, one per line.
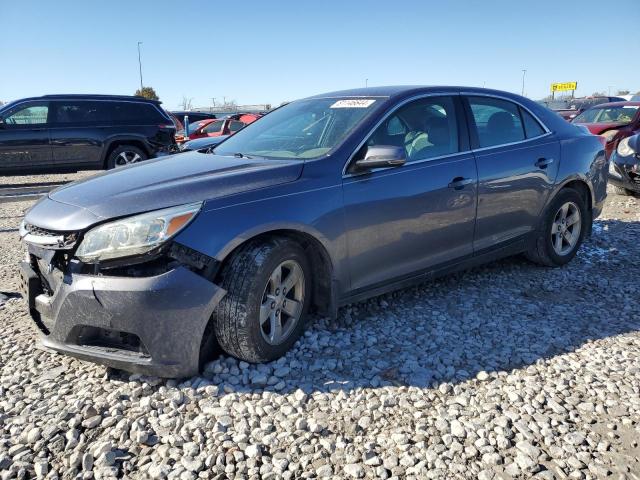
325, 201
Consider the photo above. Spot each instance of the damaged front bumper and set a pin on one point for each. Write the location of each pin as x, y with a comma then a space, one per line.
625, 172
151, 324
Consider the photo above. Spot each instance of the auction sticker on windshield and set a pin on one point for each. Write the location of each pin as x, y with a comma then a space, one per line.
353, 103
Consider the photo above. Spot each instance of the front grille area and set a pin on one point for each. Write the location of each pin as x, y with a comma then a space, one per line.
49, 238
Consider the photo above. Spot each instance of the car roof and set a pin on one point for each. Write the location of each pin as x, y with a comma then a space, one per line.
394, 91
82, 96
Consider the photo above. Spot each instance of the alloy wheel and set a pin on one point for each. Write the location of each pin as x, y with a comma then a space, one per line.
566, 227
282, 302
126, 158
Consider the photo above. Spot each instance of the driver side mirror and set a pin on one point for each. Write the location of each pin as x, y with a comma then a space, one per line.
381, 156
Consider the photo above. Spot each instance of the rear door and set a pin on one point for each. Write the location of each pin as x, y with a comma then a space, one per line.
78, 132
24, 137
517, 160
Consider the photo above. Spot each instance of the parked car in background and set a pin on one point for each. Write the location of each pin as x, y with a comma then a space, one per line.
614, 121
193, 126
193, 116
202, 143
78, 132
569, 109
624, 166
323, 202
222, 126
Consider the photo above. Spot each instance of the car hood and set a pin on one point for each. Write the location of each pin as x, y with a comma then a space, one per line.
597, 128
173, 180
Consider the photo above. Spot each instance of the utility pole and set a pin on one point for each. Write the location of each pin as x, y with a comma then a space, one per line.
366, 82
524, 72
140, 65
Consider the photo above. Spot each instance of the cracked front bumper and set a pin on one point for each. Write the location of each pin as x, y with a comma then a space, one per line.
150, 325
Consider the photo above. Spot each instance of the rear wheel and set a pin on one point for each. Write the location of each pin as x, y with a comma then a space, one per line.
562, 230
125, 155
268, 292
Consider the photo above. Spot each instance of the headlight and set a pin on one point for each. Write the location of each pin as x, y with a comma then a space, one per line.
609, 134
624, 149
135, 235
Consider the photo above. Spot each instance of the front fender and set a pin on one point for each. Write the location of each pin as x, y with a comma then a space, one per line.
218, 230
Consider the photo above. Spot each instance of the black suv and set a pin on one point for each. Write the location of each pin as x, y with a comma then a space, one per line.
79, 132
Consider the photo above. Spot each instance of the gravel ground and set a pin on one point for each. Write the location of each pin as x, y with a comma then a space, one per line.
505, 371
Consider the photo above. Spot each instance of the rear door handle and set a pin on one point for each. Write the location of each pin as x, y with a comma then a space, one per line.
544, 162
459, 183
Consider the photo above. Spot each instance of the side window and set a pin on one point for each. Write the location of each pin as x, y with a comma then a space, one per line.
426, 128
497, 121
129, 113
86, 112
235, 125
213, 127
31, 114
531, 126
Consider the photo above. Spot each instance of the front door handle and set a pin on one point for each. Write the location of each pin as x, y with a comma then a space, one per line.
544, 162
459, 183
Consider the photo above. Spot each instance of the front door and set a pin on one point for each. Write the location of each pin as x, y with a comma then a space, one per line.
517, 166
24, 138
403, 220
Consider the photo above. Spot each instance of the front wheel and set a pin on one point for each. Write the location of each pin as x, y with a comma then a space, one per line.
562, 230
268, 292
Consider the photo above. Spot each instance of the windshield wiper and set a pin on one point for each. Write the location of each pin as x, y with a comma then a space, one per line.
241, 155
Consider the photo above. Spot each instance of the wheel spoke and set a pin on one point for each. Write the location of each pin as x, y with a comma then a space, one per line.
563, 211
265, 312
275, 332
569, 237
292, 308
573, 218
276, 278
558, 243
292, 278
135, 158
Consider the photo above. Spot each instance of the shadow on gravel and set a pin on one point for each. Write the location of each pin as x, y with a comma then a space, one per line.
503, 316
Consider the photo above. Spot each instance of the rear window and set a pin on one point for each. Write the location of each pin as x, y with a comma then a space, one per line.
531, 126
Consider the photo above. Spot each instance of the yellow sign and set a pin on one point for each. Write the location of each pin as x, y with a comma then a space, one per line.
563, 87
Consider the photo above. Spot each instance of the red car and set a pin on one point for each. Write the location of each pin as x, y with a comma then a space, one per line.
219, 126
614, 121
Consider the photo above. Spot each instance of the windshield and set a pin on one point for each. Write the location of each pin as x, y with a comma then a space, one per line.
302, 129
623, 114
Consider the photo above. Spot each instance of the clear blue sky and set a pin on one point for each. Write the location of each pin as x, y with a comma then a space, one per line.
268, 52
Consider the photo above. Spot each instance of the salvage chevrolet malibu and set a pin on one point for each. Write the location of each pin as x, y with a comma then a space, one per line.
323, 202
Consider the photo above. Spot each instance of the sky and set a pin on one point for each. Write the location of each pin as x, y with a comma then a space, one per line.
258, 52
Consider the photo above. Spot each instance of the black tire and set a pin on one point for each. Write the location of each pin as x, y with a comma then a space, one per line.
245, 277
208, 346
115, 156
541, 249
622, 191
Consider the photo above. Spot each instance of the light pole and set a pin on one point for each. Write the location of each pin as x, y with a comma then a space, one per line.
140, 64
524, 72
366, 82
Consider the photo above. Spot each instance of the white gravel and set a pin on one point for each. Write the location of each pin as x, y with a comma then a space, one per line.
506, 371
